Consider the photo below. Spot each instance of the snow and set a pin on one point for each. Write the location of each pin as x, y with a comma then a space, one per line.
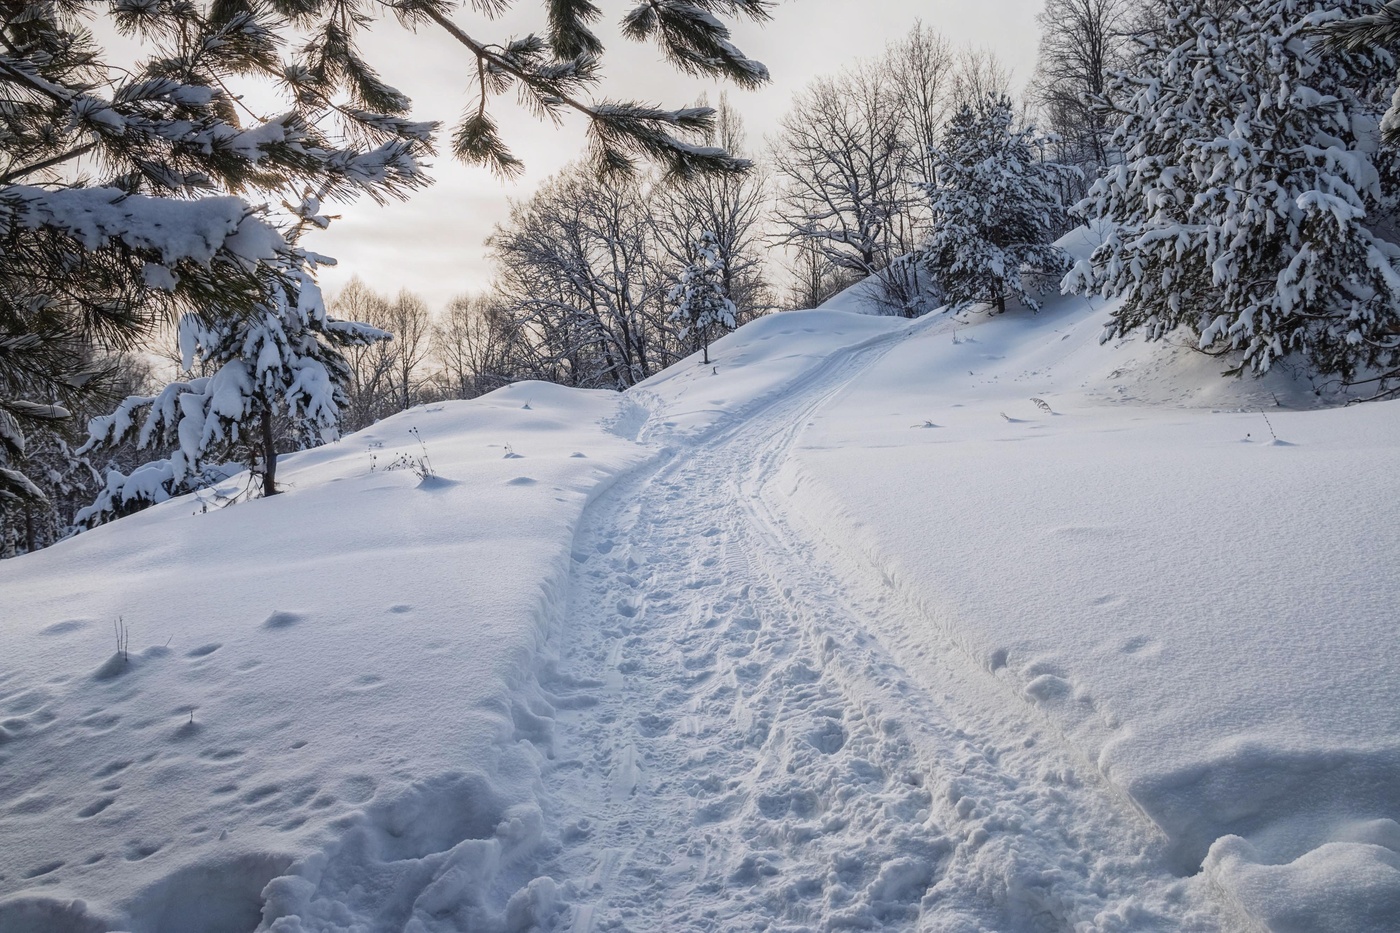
296, 664
1195, 602
177, 231
963, 623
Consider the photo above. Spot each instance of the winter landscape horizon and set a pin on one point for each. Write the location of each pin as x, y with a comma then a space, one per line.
952, 489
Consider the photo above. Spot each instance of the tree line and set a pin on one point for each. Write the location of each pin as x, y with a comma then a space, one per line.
1238, 161
146, 198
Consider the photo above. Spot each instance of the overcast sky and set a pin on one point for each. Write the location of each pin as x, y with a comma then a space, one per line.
432, 244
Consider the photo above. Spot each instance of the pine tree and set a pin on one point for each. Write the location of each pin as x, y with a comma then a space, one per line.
164, 229
699, 303
1374, 30
131, 195
282, 361
1247, 208
996, 209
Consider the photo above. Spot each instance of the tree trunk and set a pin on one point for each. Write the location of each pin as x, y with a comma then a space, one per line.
269, 452
1001, 302
31, 545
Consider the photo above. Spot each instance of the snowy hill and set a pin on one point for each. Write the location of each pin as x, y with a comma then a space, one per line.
845, 630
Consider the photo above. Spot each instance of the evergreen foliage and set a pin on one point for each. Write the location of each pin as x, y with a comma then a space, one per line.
284, 359
122, 189
1375, 30
1247, 208
996, 209
129, 191
699, 302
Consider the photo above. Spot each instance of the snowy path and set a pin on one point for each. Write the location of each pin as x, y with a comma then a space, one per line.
741, 743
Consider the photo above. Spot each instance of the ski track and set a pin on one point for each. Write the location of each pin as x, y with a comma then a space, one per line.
737, 745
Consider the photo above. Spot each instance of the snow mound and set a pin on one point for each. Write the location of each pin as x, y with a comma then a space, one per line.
334, 688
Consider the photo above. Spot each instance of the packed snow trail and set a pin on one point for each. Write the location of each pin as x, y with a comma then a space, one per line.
735, 748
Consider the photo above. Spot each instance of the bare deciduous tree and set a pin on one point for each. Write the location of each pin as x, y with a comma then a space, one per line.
731, 207
408, 321
979, 78
850, 158
371, 366
579, 272
921, 67
1082, 43
475, 345
843, 164
387, 376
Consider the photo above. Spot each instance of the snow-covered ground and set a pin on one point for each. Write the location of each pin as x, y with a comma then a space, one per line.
843, 631
339, 674
1199, 593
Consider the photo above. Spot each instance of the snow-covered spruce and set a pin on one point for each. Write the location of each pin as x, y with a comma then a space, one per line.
997, 208
700, 305
1248, 206
281, 360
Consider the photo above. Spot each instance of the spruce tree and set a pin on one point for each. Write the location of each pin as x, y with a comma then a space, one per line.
996, 209
699, 303
1248, 207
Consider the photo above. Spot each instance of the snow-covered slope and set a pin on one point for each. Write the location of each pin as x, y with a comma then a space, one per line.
844, 630
1193, 579
346, 666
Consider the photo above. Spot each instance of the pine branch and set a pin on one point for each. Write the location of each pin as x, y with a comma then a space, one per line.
694, 40
569, 35
619, 131
48, 163
1363, 33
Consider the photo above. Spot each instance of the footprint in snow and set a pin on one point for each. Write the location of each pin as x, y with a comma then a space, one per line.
109, 769
283, 619
47, 868
96, 807
65, 627
1141, 644
828, 738
137, 851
